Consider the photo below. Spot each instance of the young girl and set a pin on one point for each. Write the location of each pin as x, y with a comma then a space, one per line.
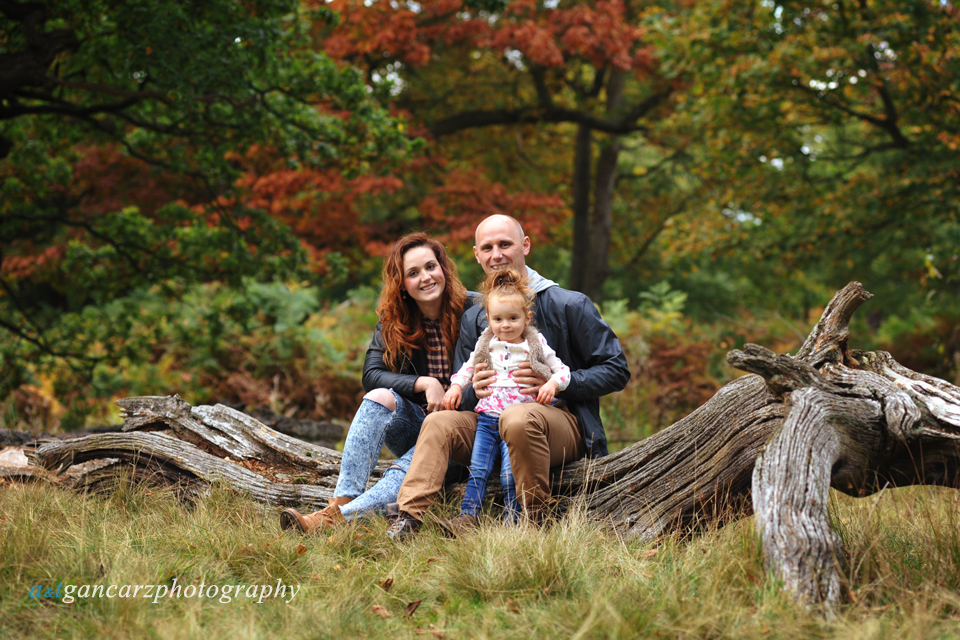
509, 340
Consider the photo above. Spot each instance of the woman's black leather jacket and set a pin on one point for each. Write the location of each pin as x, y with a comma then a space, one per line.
377, 375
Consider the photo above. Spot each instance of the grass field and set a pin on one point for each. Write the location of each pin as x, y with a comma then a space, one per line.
572, 580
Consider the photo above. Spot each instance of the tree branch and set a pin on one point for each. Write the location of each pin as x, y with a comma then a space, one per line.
489, 118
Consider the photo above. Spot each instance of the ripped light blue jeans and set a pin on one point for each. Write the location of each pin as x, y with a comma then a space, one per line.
374, 426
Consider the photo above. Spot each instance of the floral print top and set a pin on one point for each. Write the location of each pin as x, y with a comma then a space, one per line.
505, 358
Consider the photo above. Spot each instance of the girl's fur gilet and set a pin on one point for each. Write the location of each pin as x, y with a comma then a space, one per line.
482, 355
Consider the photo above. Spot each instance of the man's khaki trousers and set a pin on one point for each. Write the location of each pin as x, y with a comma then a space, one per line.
538, 438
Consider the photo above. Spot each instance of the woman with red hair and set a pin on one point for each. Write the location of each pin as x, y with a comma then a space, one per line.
405, 373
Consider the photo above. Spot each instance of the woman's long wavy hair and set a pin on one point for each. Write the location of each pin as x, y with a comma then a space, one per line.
402, 328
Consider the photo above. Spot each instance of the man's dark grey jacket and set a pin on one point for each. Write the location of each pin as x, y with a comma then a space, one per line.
583, 341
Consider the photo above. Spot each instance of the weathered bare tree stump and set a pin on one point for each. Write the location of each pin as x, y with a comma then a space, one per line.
773, 443
827, 417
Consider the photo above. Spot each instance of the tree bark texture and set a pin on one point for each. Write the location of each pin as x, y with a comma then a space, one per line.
775, 442
772, 443
592, 224
168, 441
582, 179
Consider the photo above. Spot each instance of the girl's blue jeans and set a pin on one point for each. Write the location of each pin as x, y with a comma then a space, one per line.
488, 448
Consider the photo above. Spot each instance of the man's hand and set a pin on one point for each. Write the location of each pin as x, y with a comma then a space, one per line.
547, 392
451, 399
482, 377
528, 379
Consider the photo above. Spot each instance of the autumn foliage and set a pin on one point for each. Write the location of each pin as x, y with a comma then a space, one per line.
752, 156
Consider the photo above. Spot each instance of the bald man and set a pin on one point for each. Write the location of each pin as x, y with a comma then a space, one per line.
538, 437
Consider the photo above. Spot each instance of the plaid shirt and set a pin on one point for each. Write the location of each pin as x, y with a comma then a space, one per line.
438, 363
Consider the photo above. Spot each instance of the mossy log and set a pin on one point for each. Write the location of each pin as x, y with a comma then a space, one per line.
772, 443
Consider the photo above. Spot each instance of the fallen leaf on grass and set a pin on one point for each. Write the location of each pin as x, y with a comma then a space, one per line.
512, 607
301, 549
386, 584
381, 611
649, 553
412, 607
429, 560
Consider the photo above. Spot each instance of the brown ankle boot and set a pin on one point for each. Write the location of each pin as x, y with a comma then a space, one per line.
311, 522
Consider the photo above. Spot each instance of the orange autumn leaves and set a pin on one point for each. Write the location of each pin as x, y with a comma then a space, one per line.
602, 33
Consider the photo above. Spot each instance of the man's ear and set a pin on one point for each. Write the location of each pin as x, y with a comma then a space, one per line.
526, 246
476, 254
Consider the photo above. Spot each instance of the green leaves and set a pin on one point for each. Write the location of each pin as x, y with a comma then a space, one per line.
123, 138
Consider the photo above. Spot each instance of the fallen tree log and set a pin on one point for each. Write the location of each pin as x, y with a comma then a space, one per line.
772, 443
167, 441
775, 443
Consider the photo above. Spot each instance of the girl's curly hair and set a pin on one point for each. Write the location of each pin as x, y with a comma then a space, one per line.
504, 283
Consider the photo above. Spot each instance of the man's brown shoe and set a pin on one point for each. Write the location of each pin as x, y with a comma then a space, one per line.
311, 522
459, 525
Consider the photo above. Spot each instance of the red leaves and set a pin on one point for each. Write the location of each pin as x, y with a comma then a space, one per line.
331, 212
103, 176
16, 267
599, 32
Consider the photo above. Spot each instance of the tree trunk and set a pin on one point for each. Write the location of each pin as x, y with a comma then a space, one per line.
597, 260
592, 225
605, 182
582, 157
772, 443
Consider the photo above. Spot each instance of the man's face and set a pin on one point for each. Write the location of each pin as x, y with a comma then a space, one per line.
500, 245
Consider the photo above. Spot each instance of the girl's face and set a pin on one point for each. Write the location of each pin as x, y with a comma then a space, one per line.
507, 318
423, 279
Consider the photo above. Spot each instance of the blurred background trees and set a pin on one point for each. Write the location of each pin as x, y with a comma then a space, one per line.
196, 199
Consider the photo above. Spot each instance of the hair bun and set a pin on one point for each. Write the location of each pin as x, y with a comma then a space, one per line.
506, 277
508, 282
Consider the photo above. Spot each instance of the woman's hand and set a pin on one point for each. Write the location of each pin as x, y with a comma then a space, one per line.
434, 391
482, 377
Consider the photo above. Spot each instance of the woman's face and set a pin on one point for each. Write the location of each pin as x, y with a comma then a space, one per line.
423, 279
